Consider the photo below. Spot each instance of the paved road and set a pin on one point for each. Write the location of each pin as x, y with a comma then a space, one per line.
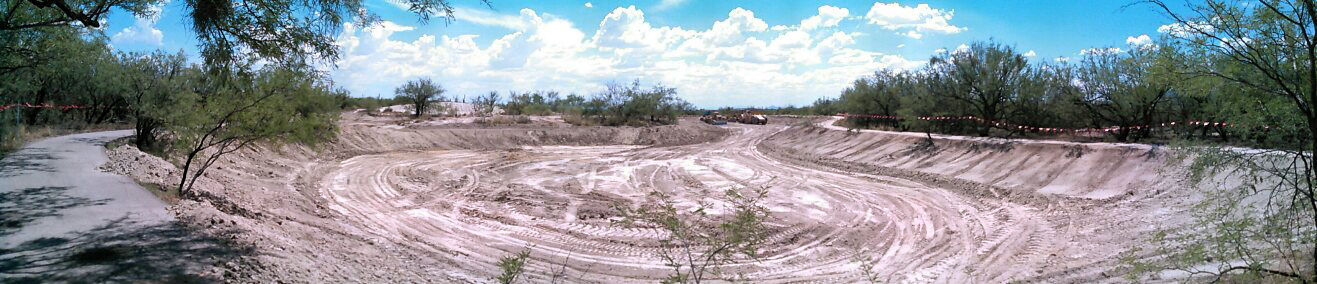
63, 220
52, 188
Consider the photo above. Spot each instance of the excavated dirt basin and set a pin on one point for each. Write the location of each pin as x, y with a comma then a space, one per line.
442, 204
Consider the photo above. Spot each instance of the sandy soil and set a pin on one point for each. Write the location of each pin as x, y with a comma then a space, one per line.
442, 204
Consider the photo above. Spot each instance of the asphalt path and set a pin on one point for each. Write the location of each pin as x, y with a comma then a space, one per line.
64, 220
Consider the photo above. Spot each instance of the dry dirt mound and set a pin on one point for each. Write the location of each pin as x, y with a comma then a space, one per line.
412, 205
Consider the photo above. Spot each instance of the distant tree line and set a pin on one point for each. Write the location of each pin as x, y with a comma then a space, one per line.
617, 105
1105, 88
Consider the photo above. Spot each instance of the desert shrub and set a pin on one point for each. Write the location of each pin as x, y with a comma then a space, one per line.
235, 108
503, 120
699, 244
512, 267
576, 118
531, 103
633, 105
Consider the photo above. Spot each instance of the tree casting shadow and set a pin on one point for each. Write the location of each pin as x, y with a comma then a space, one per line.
22, 206
121, 251
27, 160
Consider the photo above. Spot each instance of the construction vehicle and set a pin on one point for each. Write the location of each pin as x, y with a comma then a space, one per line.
714, 118
750, 118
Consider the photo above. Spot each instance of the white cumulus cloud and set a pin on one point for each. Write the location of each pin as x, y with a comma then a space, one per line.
1141, 42
828, 16
143, 29
915, 20
736, 61
1184, 30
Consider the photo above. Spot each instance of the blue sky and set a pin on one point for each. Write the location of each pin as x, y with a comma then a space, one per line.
716, 53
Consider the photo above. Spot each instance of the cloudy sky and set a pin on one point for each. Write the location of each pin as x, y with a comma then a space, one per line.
716, 53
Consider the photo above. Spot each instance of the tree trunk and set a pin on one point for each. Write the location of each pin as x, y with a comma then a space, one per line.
183, 189
34, 113
144, 136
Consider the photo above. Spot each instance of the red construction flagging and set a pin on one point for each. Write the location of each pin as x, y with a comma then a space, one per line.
47, 105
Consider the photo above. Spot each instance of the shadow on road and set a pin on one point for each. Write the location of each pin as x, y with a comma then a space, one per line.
21, 206
28, 160
121, 251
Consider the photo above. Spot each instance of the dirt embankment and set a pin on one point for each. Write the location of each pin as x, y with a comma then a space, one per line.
1085, 170
273, 196
442, 204
1090, 202
358, 139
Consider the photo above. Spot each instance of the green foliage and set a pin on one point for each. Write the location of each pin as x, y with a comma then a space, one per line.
531, 103
486, 103
228, 110
984, 79
281, 31
993, 82
1126, 89
512, 267
700, 243
60, 67
25, 16
618, 105
881, 94
1256, 63
635, 106
537, 103
421, 94
821, 106
1247, 227
152, 83
206, 113
11, 134
286, 32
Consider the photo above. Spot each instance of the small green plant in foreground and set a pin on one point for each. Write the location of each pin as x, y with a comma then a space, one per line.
512, 266
699, 244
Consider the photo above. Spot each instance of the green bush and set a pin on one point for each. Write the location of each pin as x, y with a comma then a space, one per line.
633, 105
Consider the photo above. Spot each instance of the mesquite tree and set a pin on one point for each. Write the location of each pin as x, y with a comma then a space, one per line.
230, 110
1266, 225
985, 76
880, 94
421, 94
1125, 88
153, 80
